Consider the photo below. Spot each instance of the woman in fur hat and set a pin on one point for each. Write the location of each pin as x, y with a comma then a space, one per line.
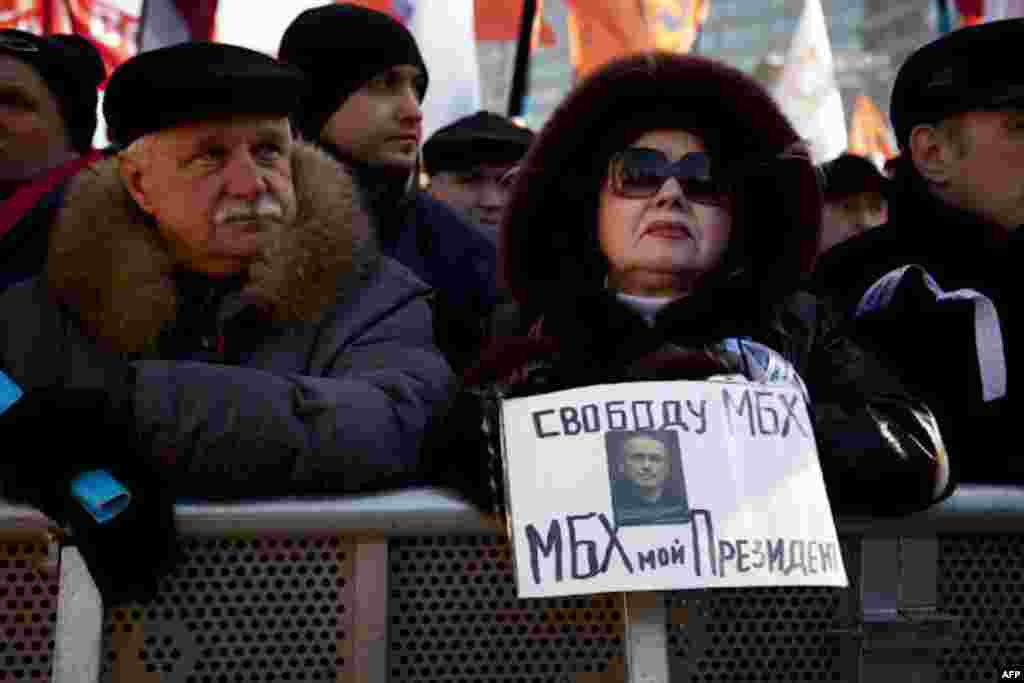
658, 230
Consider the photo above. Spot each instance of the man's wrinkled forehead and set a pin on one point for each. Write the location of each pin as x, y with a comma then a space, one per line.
227, 131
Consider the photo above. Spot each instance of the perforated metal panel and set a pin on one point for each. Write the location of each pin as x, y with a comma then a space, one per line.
455, 617
241, 610
28, 609
756, 634
981, 581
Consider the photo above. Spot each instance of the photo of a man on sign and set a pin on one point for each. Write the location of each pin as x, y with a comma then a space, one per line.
647, 478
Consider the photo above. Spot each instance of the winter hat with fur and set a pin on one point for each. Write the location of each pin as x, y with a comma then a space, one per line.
548, 242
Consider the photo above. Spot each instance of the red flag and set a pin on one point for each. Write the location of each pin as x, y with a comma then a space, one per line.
24, 15
386, 6
113, 31
971, 11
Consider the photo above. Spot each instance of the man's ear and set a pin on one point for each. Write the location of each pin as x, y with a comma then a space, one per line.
133, 176
932, 152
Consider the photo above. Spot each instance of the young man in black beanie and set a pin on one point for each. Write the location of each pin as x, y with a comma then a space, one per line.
367, 81
47, 122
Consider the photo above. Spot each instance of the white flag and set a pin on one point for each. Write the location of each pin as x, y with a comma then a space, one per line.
1003, 9
807, 91
444, 33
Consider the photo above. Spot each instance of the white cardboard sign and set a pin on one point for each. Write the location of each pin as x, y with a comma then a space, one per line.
666, 485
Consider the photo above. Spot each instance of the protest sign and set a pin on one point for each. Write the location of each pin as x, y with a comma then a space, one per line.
666, 485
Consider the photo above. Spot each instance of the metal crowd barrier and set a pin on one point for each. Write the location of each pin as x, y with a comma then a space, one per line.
416, 586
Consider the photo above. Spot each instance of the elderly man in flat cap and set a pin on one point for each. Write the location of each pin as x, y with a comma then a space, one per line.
471, 163
363, 107
47, 122
215, 320
937, 287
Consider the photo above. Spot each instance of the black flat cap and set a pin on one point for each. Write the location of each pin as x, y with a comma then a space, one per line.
192, 82
970, 69
483, 137
849, 174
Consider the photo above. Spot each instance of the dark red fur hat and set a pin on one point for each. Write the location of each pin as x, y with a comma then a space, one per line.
548, 240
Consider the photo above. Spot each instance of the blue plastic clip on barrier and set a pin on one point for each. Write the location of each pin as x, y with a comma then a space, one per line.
100, 494
97, 491
9, 392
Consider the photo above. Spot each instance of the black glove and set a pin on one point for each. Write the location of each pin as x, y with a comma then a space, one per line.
53, 435
462, 453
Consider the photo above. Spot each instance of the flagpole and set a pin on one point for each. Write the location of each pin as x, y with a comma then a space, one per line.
143, 16
521, 73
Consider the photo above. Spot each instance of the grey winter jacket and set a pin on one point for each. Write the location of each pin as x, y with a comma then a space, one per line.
329, 373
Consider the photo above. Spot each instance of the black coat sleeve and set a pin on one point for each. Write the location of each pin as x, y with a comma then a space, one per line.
880, 447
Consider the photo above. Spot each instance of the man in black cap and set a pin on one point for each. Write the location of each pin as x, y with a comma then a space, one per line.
47, 122
214, 320
368, 79
471, 164
937, 286
855, 199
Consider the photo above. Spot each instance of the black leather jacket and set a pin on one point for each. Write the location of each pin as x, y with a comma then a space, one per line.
880, 449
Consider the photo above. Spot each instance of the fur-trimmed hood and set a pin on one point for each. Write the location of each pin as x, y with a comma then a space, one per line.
548, 238
111, 267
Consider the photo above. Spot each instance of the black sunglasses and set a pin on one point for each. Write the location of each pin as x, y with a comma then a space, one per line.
640, 172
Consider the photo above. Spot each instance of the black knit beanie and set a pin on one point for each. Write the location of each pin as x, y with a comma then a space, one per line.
72, 69
339, 48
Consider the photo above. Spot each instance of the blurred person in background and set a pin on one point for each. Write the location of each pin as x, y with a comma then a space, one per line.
855, 199
471, 164
48, 98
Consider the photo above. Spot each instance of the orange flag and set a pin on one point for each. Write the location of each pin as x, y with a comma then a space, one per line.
603, 30
870, 134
